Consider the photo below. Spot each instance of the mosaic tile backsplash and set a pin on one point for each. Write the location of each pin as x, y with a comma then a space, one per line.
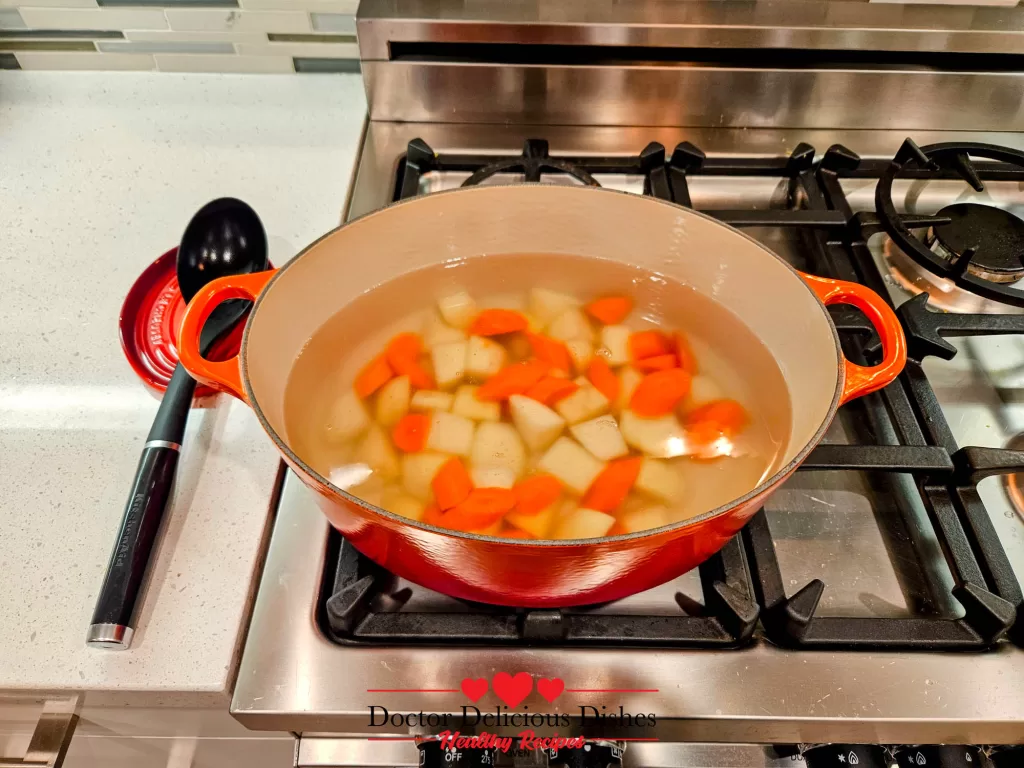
180, 35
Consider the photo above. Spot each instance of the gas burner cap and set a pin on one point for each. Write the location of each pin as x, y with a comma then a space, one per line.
942, 293
995, 235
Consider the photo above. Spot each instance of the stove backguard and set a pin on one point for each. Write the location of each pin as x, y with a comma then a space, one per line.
800, 64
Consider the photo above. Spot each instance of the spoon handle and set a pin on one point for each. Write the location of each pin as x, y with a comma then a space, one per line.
113, 619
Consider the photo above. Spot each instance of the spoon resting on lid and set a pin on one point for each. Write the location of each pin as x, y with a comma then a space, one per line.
225, 237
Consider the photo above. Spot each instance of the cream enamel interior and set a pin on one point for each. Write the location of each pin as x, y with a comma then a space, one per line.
721, 263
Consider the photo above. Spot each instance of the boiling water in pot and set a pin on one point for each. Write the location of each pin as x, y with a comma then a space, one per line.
566, 456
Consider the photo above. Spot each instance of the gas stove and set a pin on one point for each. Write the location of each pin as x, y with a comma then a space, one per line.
828, 618
876, 600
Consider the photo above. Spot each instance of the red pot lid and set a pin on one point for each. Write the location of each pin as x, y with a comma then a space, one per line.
149, 322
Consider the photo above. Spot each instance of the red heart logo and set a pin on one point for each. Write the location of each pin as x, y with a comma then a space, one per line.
512, 690
550, 689
474, 689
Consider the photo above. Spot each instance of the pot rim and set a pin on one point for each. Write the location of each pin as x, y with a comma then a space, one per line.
781, 474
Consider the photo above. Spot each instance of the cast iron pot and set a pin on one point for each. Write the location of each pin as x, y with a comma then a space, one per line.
783, 307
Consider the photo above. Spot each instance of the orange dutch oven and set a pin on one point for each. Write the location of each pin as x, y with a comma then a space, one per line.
784, 308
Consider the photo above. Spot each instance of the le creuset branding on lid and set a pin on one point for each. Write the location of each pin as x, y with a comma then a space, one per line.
150, 320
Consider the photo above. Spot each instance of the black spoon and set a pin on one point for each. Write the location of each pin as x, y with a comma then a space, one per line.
225, 237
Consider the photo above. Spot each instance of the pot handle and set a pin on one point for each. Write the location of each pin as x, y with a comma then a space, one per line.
225, 376
860, 379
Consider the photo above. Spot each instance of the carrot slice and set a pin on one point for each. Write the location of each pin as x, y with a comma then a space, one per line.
658, 392
512, 380
687, 360
537, 493
451, 484
644, 344
374, 375
712, 422
617, 530
432, 514
610, 310
418, 376
403, 355
659, 363
550, 350
482, 508
515, 533
403, 347
410, 433
604, 379
551, 389
726, 417
612, 485
492, 322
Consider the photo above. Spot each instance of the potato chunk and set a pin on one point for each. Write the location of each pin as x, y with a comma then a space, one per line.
643, 518
571, 464
376, 452
629, 377
458, 309
615, 344
450, 433
571, 324
583, 523
498, 444
492, 477
449, 363
704, 389
601, 437
546, 304
661, 437
538, 424
467, 405
418, 470
393, 401
347, 418
658, 479
581, 351
431, 400
537, 525
437, 331
484, 357
403, 504
585, 403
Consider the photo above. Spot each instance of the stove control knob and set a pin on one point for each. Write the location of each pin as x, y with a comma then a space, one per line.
845, 755
1008, 757
434, 755
593, 754
938, 756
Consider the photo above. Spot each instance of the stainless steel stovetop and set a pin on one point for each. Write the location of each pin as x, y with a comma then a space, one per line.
443, 72
293, 677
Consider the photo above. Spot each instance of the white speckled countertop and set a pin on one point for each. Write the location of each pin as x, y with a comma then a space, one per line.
99, 173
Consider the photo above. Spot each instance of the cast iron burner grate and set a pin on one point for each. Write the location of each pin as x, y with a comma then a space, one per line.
358, 605
364, 607
979, 261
